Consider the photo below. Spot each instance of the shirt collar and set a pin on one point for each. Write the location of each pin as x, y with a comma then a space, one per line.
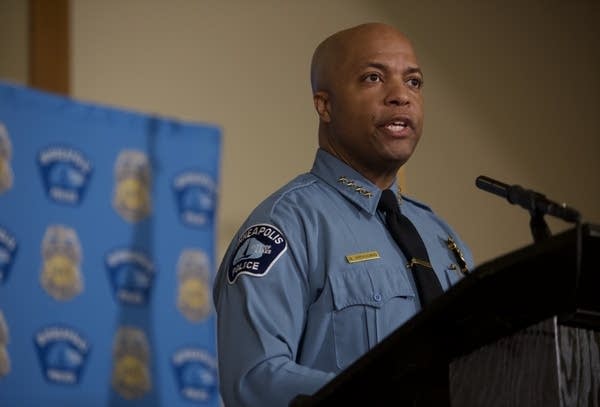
348, 182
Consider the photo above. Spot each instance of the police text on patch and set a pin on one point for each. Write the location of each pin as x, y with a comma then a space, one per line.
258, 249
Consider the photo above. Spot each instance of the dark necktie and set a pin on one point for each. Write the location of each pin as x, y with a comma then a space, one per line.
406, 236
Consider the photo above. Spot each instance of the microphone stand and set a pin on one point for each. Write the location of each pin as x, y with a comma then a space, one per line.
539, 228
537, 204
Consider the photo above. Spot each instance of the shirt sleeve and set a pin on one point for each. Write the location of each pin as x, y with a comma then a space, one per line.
261, 315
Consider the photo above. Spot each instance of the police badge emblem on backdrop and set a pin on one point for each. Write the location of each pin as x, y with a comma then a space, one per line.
195, 196
4, 339
6, 174
95, 203
131, 358
65, 173
62, 353
132, 185
196, 374
61, 275
194, 297
8, 250
131, 273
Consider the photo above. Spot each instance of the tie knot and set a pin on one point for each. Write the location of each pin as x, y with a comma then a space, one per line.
388, 202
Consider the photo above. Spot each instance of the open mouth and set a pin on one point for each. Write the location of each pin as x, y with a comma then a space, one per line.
397, 125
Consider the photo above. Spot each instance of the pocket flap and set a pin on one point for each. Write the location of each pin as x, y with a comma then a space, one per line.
372, 287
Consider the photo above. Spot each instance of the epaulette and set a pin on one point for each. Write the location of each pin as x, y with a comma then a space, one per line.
418, 203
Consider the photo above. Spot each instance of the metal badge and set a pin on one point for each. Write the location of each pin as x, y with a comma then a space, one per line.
61, 251
6, 174
131, 356
132, 198
4, 339
4, 336
4, 361
460, 259
193, 297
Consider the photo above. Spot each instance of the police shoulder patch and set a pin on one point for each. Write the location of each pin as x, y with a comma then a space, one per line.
258, 248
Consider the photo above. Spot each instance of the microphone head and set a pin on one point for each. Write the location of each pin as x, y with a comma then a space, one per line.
491, 185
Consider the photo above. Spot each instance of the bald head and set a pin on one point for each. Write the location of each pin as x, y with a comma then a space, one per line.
335, 49
366, 84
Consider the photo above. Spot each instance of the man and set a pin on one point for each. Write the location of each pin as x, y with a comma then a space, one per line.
314, 279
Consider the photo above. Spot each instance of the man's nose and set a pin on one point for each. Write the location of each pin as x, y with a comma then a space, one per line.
397, 93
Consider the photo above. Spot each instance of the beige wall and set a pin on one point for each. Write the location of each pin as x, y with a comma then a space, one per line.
13, 41
512, 92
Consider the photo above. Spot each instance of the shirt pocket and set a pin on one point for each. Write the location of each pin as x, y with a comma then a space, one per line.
453, 275
366, 305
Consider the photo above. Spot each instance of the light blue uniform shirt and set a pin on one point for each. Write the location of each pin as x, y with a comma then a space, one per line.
292, 311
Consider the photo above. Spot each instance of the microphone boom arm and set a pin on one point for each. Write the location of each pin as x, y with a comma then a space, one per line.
537, 204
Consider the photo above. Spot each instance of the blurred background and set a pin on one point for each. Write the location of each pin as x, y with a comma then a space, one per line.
512, 91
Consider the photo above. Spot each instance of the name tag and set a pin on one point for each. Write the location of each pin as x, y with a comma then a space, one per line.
358, 257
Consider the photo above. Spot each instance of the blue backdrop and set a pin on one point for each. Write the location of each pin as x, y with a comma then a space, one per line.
107, 255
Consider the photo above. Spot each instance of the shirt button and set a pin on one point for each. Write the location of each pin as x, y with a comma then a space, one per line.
377, 297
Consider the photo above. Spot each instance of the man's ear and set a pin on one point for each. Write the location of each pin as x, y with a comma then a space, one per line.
322, 105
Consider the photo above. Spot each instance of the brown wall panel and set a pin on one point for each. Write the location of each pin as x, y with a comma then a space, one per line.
49, 45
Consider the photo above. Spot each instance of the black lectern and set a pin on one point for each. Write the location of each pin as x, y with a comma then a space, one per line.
518, 331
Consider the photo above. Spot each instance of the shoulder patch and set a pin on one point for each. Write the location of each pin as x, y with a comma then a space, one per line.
257, 250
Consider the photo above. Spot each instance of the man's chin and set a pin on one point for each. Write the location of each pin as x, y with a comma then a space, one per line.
399, 158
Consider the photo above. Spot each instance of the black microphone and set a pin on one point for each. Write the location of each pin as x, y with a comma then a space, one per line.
531, 200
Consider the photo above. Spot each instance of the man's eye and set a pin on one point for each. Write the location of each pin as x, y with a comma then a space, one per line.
416, 83
373, 77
